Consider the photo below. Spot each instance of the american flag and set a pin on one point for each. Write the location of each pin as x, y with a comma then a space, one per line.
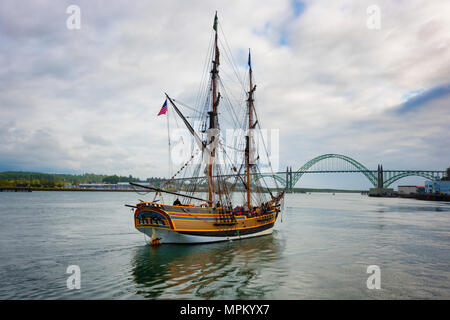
163, 109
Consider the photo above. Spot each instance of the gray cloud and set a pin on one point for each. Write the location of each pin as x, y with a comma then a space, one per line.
86, 100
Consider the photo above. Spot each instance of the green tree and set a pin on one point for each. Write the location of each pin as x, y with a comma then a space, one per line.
7, 183
111, 179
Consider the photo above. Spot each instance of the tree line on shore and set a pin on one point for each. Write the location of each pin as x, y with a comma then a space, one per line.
50, 180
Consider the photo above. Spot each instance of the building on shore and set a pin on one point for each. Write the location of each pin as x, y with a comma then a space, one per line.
124, 186
381, 192
437, 186
98, 186
111, 186
408, 190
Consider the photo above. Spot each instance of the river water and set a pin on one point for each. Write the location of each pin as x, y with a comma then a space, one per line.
320, 249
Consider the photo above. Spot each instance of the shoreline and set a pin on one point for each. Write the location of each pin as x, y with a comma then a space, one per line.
30, 189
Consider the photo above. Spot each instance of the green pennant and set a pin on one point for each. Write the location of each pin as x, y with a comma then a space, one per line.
215, 22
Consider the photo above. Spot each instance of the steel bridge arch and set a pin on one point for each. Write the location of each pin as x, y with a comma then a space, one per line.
299, 173
401, 175
269, 175
360, 167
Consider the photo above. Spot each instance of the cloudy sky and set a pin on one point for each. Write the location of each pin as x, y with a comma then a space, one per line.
85, 100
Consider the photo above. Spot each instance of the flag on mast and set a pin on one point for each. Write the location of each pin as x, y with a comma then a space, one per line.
163, 109
215, 22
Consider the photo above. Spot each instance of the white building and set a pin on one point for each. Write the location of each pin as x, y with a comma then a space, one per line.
408, 189
100, 186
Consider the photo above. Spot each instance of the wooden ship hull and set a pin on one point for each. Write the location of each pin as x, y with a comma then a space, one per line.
192, 224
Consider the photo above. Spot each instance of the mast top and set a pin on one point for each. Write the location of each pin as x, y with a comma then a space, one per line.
215, 22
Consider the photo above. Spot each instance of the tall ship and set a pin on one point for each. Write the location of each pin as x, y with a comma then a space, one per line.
224, 189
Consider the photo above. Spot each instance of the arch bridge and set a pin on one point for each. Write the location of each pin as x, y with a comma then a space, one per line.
338, 163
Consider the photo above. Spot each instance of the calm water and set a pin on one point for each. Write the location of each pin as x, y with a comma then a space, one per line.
320, 250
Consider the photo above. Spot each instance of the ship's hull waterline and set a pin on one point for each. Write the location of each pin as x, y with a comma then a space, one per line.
174, 237
191, 224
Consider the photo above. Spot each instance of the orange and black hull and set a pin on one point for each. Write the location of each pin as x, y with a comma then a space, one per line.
194, 224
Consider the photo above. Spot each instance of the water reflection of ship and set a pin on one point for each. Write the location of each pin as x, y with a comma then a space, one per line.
178, 271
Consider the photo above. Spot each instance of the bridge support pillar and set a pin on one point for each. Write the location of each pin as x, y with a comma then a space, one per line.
288, 179
380, 180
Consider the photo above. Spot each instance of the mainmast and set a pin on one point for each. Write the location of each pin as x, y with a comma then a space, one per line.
213, 114
248, 138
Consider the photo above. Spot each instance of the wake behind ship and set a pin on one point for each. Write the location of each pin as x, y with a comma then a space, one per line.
239, 202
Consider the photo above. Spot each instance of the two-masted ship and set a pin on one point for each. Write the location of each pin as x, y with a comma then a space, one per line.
225, 200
